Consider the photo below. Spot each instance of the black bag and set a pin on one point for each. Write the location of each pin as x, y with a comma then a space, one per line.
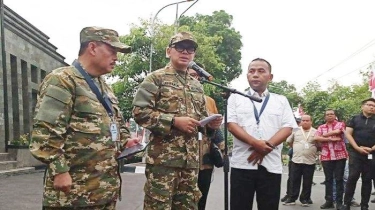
216, 156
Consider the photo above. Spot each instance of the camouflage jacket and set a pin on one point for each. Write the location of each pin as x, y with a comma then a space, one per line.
71, 134
165, 94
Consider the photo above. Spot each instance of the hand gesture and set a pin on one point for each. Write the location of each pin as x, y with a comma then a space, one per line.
362, 151
256, 158
186, 124
62, 182
261, 147
368, 149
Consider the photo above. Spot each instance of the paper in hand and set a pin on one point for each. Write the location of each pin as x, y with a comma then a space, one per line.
132, 150
209, 119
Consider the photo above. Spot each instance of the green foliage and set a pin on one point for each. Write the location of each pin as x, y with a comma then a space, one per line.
23, 140
219, 51
345, 100
287, 90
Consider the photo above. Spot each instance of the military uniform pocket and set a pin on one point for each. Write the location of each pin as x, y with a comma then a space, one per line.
53, 105
169, 101
88, 116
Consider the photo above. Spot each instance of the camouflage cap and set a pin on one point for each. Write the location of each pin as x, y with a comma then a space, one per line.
105, 35
183, 36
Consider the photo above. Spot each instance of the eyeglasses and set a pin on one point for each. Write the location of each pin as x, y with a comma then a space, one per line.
194, 74
370, 105
180, 48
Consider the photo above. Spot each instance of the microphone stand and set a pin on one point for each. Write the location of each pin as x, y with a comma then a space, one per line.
228, 91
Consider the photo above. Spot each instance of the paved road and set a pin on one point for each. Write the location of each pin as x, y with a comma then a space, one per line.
24, 192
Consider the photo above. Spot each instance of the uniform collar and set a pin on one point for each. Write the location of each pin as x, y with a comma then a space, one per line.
253, 93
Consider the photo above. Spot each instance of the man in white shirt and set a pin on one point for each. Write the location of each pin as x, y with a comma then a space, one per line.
259, 130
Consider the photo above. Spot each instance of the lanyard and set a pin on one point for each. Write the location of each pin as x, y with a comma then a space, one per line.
102, 98
303, 133
256, 114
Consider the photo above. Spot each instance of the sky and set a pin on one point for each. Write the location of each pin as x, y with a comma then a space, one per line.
304, 40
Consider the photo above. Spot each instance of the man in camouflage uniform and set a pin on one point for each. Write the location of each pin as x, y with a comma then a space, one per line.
206, 166
72, 128
170, 104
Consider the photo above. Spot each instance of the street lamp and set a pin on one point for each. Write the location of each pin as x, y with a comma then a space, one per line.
176, 22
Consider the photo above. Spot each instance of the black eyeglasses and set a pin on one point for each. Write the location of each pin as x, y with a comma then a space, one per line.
194, 74
180, 48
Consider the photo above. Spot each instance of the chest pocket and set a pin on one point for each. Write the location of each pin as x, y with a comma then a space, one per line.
88, 112
196, 101
274, 117
170, 98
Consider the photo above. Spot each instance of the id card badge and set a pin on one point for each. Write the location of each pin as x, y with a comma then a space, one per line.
369, 156
306, 145
114, 131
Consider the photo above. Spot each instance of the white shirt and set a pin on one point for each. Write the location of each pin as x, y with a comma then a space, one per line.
276, 115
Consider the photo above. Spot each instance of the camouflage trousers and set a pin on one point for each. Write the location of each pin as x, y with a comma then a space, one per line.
169, 188
109, 206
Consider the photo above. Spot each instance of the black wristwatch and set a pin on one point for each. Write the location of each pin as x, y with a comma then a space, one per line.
172, 123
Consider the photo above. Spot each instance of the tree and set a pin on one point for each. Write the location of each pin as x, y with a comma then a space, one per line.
287, 90
219, 50
345, 100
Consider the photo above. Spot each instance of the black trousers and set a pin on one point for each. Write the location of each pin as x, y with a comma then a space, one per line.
359, 165
245, 183
334, 169
288, 182
301, 172
204, 183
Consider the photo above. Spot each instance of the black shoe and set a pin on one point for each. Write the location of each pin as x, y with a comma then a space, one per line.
304, 203
323, 183
289, 202
364, 208
338, 206
373, 200
327, 205
309, 201
373, 193
313, 183
284, 198
345, 207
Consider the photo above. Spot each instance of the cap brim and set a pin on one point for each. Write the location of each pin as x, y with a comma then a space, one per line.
121, 47
188, 40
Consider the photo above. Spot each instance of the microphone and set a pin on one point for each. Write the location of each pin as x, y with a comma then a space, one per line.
200, 71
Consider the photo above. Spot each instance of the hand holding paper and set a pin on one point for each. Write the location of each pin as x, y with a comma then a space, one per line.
208, 119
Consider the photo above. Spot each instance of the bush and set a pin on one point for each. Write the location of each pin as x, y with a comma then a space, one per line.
23, 140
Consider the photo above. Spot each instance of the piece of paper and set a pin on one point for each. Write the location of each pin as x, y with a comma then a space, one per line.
209, 119
132, 150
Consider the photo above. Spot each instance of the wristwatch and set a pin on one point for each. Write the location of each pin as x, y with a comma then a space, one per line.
172, 123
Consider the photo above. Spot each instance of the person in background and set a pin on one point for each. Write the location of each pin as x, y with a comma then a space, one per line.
206, 166
303, 165
333, 157
361, 135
